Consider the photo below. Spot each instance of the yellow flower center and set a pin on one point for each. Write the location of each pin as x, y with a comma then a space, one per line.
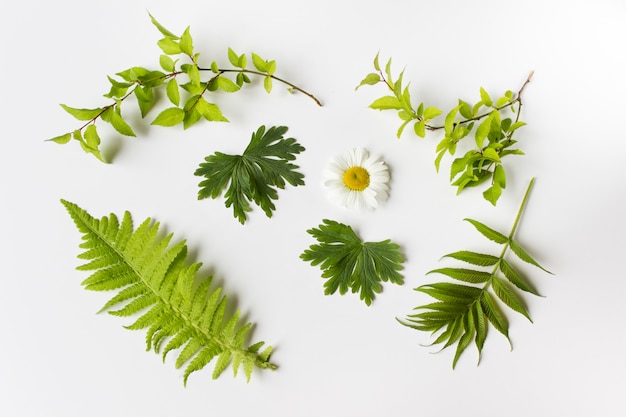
356, 178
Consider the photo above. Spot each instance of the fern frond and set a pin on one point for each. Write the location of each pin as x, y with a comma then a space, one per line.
154, 282
462, 313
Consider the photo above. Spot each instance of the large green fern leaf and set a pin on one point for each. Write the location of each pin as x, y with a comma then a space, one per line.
462, 313
154, 282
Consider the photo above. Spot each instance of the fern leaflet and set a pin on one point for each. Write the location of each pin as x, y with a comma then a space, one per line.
462, 313
151, 277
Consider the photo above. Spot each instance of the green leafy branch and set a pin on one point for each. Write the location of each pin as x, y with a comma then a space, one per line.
253, 176
187, 96
493, 135
350, 263
462, 313
151, 277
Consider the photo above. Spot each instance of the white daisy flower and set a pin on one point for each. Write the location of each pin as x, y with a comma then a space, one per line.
356, 180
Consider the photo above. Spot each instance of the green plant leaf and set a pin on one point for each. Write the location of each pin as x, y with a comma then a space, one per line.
431, 112
167, 63
210, 111
260, 64
62, 139
162, 29
83, 114
386, 103
253, 176
484, 97
186, 42
474, 258
370, 79
169, 46
226, 85
169, 117
145, 270
233, 58
493, 193
348, 263
524, 256
462, 313
488, 232
508, 297
173, 92
267, 84
119, 123
516, 278
463, 274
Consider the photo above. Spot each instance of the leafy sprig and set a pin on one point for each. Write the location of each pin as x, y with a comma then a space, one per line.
493, 133
461, 313
351, 264
253, 176
187, 92
151, 277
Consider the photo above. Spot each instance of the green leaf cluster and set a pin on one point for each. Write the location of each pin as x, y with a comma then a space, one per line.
253, 176
152, 278
348, 263
179, 77
461, 313
492, 130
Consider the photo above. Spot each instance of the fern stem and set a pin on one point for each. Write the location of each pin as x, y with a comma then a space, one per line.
521, 209
513, 230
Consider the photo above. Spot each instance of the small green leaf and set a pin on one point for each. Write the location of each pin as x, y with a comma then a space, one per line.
166, 63
484, 97
474, 258
465, 109
493, 193
91, 136
119, 124
193, 72
508, 297
499, 176
376, 65
267, 84
82, 114
516, 278
259, 63
420, 128
431, 112
516, 126
491, 154
186, 43
233, 58
173, 93
145, 99
162, 29
494, 315
488, 232
370, 79
214, 67
440, 155
226, 84
482, 131
210, 111
169, 46
449, 121
386, 103
463, 274
169, 117
524, 256
62, 139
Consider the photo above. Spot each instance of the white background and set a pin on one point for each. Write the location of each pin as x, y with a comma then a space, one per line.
336, 356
